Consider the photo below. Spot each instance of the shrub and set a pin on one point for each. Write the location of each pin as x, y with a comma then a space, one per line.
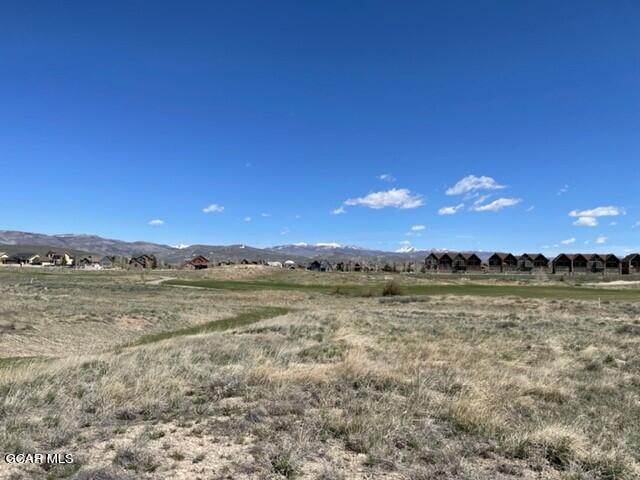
391, 288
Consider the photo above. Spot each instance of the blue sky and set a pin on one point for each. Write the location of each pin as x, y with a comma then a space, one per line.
524, 116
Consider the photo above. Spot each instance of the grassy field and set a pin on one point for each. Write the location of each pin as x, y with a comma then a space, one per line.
299, 375
472, 289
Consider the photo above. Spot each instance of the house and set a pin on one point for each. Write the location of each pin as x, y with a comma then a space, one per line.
440, 261
595, 263
472, 262
3, 257
198, 262
290, 264
561, 264
144, 261
60, 259
44, 261
539, 261
464, 262
274, 264
107, 262
23, 259
631, 263
532, 261
502, 262
570, 263
612, 263
579, 263
320, 266
89, 262
604, 263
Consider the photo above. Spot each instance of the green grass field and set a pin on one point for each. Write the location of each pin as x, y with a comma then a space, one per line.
526, 291
236, 321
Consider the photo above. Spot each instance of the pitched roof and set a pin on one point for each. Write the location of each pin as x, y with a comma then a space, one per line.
439, 255
503, 255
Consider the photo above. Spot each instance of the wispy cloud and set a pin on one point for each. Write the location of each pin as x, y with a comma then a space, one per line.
586, 222
395, 198
471, 183
213, 208
496, 205
609, 211
247, 219
563, 190
265, 215
531, 208
416, 231
156, 222
338, 211
451, 210
284, 231
589, 218
568, 241
601, 240
385, 177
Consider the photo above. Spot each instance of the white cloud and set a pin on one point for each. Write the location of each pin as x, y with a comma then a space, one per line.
265, 215
213, 208
496, 205
586, 222
568, 241
338, 211
385, 177
247, 219
450, 210
156, 222
609, 211
396, 198
531, 208
284, 231
563, 190
613, 224
601, 240
472, 183
589, 218
417, 228
636, 225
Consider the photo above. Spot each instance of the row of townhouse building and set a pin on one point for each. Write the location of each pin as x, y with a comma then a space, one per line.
530, 262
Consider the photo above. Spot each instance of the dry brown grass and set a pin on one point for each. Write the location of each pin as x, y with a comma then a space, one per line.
400, 387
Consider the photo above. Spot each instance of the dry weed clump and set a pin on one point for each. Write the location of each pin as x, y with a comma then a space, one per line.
391, 289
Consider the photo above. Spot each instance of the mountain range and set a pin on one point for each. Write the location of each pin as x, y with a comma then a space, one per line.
298, 252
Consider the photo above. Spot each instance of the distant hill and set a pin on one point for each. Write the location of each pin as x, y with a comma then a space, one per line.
13, 241
87, 243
